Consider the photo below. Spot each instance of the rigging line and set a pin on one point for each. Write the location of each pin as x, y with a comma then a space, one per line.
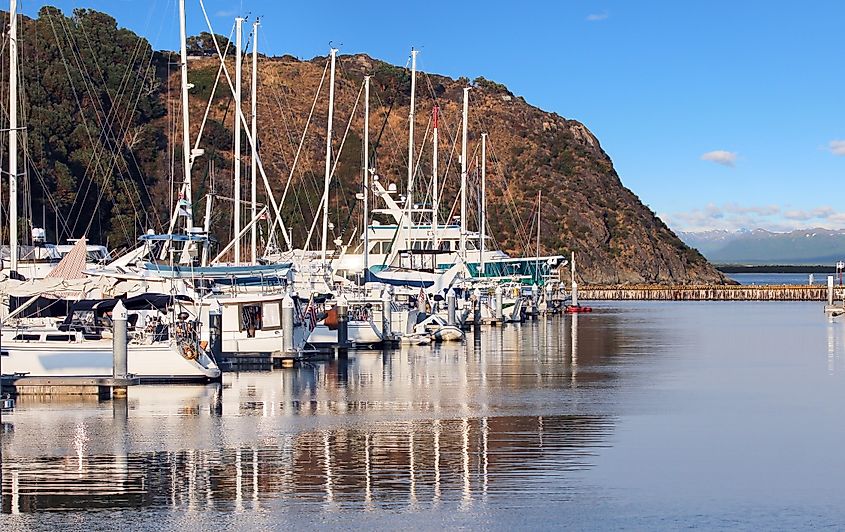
453, 150
242, 123
511, 204
324, 202
182, 189
289, 118
302, 140
103, 118
513, 211
105, 126
116, 100
76, 97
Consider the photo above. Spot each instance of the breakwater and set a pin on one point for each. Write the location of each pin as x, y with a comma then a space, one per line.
704, 292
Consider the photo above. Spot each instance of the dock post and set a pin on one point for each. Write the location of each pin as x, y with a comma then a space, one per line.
535, 300
342, 323
386, 317
574, 293
215, 332
476, 315
287, 324
451, 306
119, 347
500, 307
830, 290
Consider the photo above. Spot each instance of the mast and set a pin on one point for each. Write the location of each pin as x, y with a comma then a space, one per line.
186, 133
366, 174
435, 192
253, 242
539, 200
13, 133
483, 203
237, 158
328, 156
411, 146
463, 248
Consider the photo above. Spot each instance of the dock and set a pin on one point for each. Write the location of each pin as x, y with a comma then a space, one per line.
705, 292
102, 387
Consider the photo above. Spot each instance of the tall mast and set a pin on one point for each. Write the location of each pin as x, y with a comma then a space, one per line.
328, 156
463, 248
366, 174
186, 133
435, 186
411, 146
253, 242
539, 200
13, 133
483, 216
237, 158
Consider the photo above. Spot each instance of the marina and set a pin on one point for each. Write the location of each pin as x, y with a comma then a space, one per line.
241, 289
598, 420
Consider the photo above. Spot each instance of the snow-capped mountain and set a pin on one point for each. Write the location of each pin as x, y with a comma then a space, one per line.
760, 246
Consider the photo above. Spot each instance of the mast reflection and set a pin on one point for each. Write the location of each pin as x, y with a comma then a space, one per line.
416, 427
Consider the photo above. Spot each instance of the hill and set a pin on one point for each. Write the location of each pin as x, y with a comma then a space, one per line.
118, 166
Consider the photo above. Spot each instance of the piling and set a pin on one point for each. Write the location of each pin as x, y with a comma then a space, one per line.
574, 293
215, 332
830, 290
287, 324
535, 299
451, 306
386, 314
120, 344
476, 307
500, 307
342, 323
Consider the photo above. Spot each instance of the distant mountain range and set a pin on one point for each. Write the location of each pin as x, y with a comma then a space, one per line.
759, 246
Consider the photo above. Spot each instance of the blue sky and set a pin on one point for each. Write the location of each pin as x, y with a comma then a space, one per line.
718, 114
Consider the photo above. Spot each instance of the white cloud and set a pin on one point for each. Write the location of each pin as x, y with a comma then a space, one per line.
226, 13
595, 17
837, 147
723, 157
820, 213
732, 216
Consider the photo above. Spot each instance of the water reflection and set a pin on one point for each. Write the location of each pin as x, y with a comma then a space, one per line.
512, 413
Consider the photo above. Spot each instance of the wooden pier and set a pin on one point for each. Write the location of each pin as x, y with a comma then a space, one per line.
706, 292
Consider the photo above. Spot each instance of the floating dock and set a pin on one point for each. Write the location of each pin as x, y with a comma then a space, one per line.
102, 387
705, 292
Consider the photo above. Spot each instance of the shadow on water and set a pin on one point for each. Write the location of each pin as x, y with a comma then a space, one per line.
514, 413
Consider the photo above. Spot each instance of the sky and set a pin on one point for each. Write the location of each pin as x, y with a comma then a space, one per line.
718, 114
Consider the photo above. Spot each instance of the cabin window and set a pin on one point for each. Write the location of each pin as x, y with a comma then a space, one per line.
250, 319
445, 245
28, 337
271, 315
60, 337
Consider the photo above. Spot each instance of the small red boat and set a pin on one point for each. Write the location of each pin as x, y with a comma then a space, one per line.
576, 309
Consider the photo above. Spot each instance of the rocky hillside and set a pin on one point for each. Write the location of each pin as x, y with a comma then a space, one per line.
102, 127
585, 207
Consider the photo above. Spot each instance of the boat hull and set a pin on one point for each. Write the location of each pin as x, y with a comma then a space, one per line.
149, 363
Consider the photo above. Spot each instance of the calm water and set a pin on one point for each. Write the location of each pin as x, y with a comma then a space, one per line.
639, 415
